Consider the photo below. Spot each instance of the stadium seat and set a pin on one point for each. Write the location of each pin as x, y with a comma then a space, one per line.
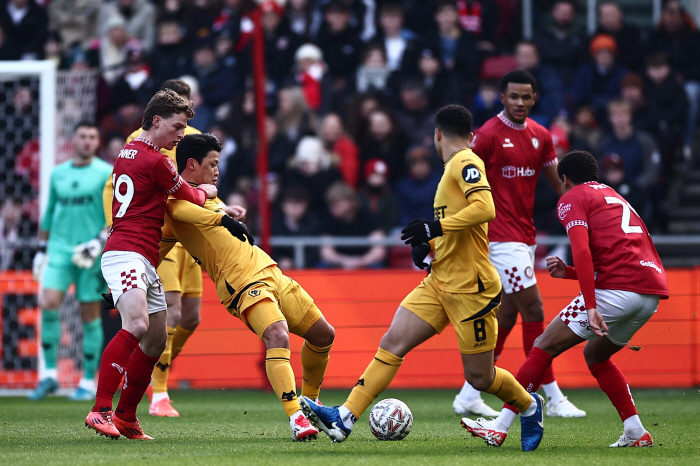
494, 68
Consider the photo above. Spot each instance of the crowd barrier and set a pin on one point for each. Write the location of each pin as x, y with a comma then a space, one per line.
223, 353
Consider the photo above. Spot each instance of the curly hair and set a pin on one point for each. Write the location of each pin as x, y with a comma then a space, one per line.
454, 120
166, 103
579, 166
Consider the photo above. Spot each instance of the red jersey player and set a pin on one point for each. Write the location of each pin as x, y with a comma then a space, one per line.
621, 280
515, 149
143, 179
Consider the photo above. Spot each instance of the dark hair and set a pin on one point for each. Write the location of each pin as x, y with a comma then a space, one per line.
657, 59
295, 193
85, 124
195, 146
518, 77
165, 104
579, 166
179, 86
391, 7
454, 120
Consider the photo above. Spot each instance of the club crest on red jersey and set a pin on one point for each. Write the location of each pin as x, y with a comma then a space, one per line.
535, 143
563, 210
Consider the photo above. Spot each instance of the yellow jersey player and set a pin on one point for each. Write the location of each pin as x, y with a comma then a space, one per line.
182, 284
250, 286
463, 289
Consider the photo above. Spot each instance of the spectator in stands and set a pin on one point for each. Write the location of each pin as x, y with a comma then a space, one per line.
113, 144
312, 167
15, 227
384, 141
25, 25
416, 190
280, 43
598, 81
677, 36
373, 73
612, 173
228, 151
225, 47
279, 147
136, 82
637, 150
310, 73
300, 15
442, 86
186, 15
126, 119
628, 37
6, 50
560, 43
53, 49
456, 45
666, 118
339, 41
359, 110
169, 57
338, 143
74, 20
402, 49
415, 117
486, 103
480, 17
217, 82
376, 196
585, 131
550, 89
112, 48
138, 16
347, 218
294, 219
293, 116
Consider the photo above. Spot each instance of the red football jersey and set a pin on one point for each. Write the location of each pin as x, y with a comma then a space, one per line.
514, 156
623, 254
143, 178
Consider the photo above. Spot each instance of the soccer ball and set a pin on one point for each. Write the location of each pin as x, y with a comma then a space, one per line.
390, 419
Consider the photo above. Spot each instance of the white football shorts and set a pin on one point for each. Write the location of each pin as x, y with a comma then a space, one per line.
125, 270
624, 312
515, 263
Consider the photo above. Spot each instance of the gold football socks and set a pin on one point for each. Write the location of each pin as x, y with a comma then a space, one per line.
374, 380
314, 361
162, 368
508, 390
281, 376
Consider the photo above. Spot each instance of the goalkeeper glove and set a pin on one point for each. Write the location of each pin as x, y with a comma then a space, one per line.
84, 254
237, 229
421, 231
418, 254
39, 261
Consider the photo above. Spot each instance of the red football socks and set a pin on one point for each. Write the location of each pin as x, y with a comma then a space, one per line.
613, 382
114, 360
532, 330
501, 341
136, 379
531, 372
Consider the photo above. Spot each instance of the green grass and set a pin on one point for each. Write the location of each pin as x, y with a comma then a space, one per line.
244, 427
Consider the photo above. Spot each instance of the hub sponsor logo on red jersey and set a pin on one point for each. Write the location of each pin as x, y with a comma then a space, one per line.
511, 172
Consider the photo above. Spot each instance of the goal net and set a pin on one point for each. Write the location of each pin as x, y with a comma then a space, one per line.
40, 108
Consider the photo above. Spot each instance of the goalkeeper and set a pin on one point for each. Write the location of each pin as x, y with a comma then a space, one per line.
71, 241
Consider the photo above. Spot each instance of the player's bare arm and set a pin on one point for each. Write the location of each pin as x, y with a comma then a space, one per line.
551, 173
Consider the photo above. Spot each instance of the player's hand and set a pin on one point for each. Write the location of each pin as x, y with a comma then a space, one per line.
596, 322
84, 254
210, 189
236, 211
418, 254
421, 231
237, 229
39, 261
556, 267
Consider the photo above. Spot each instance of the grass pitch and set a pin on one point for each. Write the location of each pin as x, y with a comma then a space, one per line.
244, 427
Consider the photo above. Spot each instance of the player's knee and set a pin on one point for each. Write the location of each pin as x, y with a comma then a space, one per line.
393, 343
49, 301
326, 337
533, 311
276, 336
480, 381
137, 326
549, 346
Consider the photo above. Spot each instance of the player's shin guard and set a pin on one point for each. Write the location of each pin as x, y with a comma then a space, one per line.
373, 381
114, 360
180, 336
508, 390
314, 361
532, 330
93, 339
137, 376
281, 376
162, 367
50, 336
613, 382
501, 341
531, 372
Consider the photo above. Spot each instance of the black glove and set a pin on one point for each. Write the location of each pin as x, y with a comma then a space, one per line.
421, 231
418, 253
109, 298
237, 229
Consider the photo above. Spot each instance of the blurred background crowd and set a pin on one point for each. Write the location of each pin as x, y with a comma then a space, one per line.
352, 89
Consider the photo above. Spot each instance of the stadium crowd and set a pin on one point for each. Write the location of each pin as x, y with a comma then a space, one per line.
352, 90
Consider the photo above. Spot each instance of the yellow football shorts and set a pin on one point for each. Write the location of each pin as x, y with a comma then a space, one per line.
473, 315
179, 272
288, 301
